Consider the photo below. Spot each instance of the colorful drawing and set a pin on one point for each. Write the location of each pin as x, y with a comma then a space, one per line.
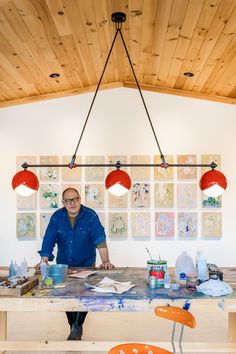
44, 221
112, 159
140, 195
161, 172
211, 202
49, 196
118, 202
71, 174
118, 224
25, 225
164, 224
49, 173
101, 216
31, 160
186, 195
212, 224
24, 203
94, 195
140, 173
164, 195
140, 224
208, 159
187, 225
94, 173
187, 172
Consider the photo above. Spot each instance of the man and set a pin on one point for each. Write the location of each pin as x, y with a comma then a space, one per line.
77, 232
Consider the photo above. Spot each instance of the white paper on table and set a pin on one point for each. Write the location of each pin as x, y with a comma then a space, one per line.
108, 285
83, 274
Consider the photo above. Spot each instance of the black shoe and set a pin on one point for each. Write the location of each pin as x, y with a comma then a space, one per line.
76, 332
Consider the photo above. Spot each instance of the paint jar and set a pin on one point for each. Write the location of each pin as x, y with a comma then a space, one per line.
192, 282
152, 264
152, 282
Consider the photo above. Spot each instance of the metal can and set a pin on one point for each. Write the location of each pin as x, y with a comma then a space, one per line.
160, 278
152, 264
152, 281
192, 282
162, 264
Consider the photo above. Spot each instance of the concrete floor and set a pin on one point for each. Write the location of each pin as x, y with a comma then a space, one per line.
112, 327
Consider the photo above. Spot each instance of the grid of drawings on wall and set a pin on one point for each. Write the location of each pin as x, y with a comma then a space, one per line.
162, 203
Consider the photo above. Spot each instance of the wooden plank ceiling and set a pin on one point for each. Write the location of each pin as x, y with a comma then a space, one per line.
165, 39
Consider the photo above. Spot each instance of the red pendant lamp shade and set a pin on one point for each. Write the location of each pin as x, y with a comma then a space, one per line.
118, 182
25, 183
213, 183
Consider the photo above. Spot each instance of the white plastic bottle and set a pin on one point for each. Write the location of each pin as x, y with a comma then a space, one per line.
184, 266
44, 269
24, 267
202, 269
167, 280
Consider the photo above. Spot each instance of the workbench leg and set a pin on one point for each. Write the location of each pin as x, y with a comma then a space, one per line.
232, 327
3, 327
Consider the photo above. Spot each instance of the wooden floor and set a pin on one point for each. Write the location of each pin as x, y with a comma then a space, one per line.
113, 327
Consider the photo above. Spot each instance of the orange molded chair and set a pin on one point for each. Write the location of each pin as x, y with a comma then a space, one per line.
175, 314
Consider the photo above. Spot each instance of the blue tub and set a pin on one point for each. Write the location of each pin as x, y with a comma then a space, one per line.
58, 272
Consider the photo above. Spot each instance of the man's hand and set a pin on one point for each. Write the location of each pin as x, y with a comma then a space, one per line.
106, 265
43, 259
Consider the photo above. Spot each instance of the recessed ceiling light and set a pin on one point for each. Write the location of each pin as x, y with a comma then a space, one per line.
189, 74
54, 75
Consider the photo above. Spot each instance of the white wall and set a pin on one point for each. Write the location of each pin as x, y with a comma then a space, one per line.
118, 125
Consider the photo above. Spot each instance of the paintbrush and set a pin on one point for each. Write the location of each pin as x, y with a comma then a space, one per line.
149, 254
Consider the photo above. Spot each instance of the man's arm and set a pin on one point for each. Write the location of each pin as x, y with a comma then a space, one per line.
104, 255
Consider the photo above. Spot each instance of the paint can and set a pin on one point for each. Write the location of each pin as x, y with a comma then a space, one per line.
152, 264
160, 278
162, 265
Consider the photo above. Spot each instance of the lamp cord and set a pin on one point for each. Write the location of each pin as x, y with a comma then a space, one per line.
118, 29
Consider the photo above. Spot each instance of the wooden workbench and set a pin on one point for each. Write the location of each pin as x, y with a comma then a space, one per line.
75, 297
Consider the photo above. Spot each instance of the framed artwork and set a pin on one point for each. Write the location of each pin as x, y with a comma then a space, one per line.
211, 202
94, 174
25, 225
94, 196
49, 196
207, 159
212, 224
187, 172
26, 203
71, 174
140, 173
140, 195
140, 224
161, 172
44, 221
31, 160
187, 225
164, 224
164, 195
187, 195
101, 216
112, 159
118, 224
49, 173
118, 202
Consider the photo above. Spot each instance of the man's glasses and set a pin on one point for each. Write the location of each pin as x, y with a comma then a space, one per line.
69, 201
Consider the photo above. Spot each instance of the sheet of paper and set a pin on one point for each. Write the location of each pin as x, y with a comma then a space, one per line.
108, 285
83, 274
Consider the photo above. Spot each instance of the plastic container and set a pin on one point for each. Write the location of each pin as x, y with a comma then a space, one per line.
183, 266
57, 272
11, 270
44, 269
167, 280
202, 269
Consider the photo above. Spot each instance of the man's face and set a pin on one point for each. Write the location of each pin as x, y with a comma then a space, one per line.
71, 201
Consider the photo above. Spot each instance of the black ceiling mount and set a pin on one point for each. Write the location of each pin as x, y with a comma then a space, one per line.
118, 17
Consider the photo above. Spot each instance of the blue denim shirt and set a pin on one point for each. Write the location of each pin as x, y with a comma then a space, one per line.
76, 246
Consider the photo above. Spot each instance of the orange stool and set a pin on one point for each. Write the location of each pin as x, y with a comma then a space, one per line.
175, 314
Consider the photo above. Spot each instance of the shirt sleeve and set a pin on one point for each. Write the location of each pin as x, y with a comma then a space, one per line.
97, 230
49, 240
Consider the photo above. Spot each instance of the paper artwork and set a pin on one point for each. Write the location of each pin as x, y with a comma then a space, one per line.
161, 172
44, 221
31, 160
118, 202
71, 174
211, 202
140, 195
83, 274
24, 203
164, 224
108, 285
118, 224
140, 224
140, 173
187, 172
112, 159
187, 225
49, 173
25, 225
164, 195
49, 196
208, 159
94, 195
94, 173
212, 224
186, 195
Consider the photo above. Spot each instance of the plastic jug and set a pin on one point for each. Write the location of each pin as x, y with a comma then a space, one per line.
202, 268
184, 266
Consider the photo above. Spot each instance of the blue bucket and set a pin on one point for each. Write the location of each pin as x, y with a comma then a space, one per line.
58, 272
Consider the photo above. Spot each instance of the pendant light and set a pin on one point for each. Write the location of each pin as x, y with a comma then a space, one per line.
25, 183
213, 183
118, 182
